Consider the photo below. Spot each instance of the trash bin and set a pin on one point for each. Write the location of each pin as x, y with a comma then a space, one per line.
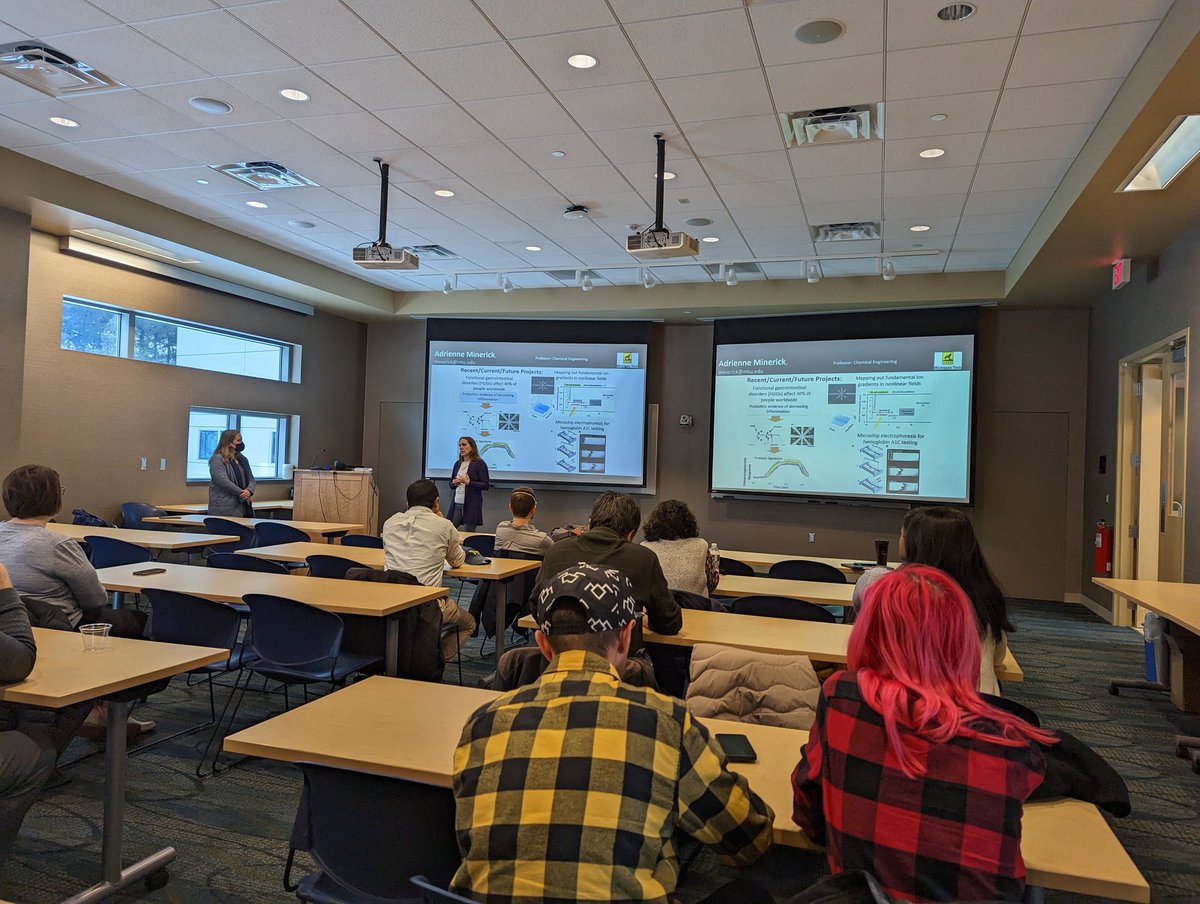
1156, 648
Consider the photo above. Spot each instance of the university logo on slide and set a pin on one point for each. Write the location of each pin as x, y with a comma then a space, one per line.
947, 360
627, 359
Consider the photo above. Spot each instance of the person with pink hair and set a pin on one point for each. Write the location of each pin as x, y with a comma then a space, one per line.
908, 774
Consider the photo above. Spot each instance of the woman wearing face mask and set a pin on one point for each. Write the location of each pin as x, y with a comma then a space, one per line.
232, 485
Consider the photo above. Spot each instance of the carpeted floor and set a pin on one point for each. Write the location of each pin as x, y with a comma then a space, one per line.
231, 831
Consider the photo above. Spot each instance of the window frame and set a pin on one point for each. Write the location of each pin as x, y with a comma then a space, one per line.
287, 438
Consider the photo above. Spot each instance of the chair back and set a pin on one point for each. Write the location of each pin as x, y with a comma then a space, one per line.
272, 533
183, 618
104, 552
518, 592
329, 566
236, 562
288, 633
484, 544
380, 576
411, 830
735, 566
431, 894
781, 607
807, 570
365, 540
688, 600
132, 514
244, 534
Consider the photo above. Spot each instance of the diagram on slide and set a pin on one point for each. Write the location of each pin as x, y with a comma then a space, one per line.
803, 436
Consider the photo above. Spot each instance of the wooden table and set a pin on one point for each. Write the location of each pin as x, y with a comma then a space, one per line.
1179, 604
767, 559
1067, 845
200, 508
500, 570
819, 592
65, 674
226, 585
328, 529
149, 539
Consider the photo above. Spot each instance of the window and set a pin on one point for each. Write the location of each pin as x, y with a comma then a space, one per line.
267, 438
106, 330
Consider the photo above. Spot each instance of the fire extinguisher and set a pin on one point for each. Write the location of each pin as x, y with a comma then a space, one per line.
1103, 555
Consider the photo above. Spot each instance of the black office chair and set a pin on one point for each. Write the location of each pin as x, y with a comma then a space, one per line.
807, 570
370, 860
734, 566
244, 533
781, 607
330, 566
363, 540
273, 533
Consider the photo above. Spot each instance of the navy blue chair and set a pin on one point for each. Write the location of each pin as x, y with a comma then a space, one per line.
781, 607
365, 540
369, 861
272, 533
484, 544
807, 570
330, 566
245, 535
236, 562
734, 566
431, 894
104, 552
132, 514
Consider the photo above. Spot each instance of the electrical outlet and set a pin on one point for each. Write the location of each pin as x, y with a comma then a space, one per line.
162, 464
143, 465
812, 536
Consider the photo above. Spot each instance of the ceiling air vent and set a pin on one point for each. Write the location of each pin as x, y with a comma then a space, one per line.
264, 175
832, 125
51, 71
434, 251
845, 232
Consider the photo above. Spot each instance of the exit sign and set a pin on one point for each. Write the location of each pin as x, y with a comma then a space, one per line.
1121, 272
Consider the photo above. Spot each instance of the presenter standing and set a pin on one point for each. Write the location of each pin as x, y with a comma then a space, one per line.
468, 481
232, 484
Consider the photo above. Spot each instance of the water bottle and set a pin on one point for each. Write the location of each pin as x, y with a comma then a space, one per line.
713, 552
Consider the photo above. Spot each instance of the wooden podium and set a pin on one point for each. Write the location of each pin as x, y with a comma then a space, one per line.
347, 496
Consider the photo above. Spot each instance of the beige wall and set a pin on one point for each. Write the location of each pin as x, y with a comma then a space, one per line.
93, 417
1031, 403
14, 283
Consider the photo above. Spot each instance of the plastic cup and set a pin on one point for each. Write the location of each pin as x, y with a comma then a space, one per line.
881, 552
95, 637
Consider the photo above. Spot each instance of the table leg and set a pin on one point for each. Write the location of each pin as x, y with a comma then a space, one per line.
391, 647
113, 877
501, 609
1184, 647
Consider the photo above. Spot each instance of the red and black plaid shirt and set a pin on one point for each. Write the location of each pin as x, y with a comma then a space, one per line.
952, 835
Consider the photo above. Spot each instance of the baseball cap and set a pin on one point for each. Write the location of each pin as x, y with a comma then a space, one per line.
604, 593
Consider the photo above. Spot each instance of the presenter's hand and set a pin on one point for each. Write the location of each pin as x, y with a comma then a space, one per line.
464, 480
245, 494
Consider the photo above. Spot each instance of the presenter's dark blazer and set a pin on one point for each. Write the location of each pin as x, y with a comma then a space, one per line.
473, 501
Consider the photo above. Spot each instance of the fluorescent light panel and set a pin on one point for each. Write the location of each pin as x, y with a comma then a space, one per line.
1169, 157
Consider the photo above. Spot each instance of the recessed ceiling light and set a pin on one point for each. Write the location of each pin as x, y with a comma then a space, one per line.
955, 12
930, 153
668, 176
687, 312
257, 205
64, 122
938, 117
211, 105
710, 239
444, 193
558, 153
533, 247
294, 94
202, 182
918, 228
821, 31
581, 61
302, 224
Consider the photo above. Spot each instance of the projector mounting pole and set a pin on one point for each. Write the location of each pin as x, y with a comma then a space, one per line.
659, 182
383, 198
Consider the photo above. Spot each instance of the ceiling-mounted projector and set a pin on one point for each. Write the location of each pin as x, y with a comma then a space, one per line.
658, 241
379, 255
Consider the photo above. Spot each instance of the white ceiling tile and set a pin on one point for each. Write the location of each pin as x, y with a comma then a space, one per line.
620, 277
640, 10
767, 242
13, 92
132, 111
1062, 15
843, 211
771, 217
992, 202
698, 98
205, 146
478, 72
680, 202
999, 222
434, 124
1080, 55
578, 148
324, 201
964, 113
177, 95
863, 187
926, 71
137, 185
129, 57
1042, 143
464, 194
921, 207
916, 183
737, 135
1030, 174
138, 153
75, 159
914, 23
54, 18
785, 270
760, 194
588, 180
851, 267
628, 207
695, 45
336, 170
614, 107
972, 261
845, 81
38, 113
183, 179
353, 133
1054, 105
616, 63
545, 17
413, 165
415, 25
385, 84
931, 264
939, 227
682, 274
280, 141
483, 158
15, 134
353, 199
734, 168
904, 153
264, 87
998, 241
216, 42
637, 145
139, 10
535, 280
314, 31
507, 187
775, 25
837, 160
530, 116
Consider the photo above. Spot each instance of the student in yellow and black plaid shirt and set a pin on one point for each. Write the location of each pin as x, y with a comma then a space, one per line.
570, 789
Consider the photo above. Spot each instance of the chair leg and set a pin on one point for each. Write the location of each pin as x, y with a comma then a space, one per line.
458, 653
238, 692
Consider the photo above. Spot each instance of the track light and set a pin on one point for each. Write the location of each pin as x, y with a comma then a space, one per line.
649, 280
506, 285
730, 275
586, 283
448, 286
889, 269
812, 272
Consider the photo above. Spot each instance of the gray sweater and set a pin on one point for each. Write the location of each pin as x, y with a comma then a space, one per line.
17, 649
51, 568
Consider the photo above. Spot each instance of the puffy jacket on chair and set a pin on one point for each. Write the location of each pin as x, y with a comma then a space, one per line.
746, 686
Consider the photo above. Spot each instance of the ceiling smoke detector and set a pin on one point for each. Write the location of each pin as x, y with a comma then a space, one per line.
575, 212
832, 125
821, 31
51, 71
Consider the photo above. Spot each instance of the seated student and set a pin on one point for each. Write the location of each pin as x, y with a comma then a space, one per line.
519, 534
607, 542
420, 541
571, 788
907, 773
672, 533
26, 760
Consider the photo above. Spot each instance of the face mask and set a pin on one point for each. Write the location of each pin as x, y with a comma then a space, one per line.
240, 447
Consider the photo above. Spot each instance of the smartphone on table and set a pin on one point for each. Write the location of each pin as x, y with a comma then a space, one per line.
737, 748
146, 571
